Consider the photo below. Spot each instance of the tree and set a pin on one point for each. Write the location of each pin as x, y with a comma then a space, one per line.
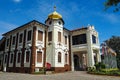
114, 3
114, 43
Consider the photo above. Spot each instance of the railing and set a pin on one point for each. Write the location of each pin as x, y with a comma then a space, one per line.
80, 45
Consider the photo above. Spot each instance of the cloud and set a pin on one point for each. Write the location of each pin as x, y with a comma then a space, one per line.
15, 10
6, 27
111, 17
17, 1
40, 9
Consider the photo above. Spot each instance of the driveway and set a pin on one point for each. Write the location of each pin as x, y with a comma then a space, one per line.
77, 75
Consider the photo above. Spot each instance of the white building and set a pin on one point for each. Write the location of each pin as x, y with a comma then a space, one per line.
34, 45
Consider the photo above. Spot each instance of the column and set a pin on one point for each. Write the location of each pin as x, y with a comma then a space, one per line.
23, 51
44, 59
72, 60
90, 55
14, 63
99, 56
33, 51
9, 52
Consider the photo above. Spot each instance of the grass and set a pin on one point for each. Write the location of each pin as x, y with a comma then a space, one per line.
40, 72
110, 72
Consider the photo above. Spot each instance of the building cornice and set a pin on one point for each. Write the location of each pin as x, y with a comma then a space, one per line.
33, 22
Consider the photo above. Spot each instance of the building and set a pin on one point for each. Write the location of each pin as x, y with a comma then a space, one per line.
34, 45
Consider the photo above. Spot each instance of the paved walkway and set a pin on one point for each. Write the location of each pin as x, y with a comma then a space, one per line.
77, 75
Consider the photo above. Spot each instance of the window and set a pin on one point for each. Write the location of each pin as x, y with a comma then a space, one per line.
18, 58
39, 57
21, 38
5, 58
40, 35
59, 57
65, 39
59, 36
11, 58
66, 58
59, 23
0, 62
27, 56
7, 42
50, 22
93, 39
79, 39
50, 36
95, 58
29, 35
13, 40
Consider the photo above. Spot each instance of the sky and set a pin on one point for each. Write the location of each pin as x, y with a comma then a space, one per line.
75, 13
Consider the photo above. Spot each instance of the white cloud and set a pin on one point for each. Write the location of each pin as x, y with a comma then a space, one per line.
17, 1
6, 27
111, 17
15, 10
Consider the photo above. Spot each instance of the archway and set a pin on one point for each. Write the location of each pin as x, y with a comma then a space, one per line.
76, 62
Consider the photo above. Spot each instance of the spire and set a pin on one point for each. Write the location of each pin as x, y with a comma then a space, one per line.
54, 8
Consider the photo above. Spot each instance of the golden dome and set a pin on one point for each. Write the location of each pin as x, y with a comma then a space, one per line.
55, 15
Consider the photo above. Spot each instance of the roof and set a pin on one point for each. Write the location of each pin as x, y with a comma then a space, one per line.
66, 29
83, 28
24, 26
55, 15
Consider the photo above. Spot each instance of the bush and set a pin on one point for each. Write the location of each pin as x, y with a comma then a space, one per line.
110, 72
99, 66
42, 71
91, 69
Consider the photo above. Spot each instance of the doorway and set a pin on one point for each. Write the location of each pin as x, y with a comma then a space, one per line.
76, 63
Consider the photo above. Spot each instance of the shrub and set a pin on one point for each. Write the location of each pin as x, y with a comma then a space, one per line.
99, 66
91, 69
41, 71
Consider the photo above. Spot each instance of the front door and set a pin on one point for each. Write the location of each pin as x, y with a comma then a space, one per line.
76, 63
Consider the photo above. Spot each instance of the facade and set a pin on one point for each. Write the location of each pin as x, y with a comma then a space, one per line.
34, 45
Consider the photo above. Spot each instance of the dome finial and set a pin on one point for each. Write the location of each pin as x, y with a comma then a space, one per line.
54, 8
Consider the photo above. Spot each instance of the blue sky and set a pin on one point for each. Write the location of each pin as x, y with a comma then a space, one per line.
76, 13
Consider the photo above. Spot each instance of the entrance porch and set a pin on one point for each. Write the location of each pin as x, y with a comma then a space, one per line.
81, 60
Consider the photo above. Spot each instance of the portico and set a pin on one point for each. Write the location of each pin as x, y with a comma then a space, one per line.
85, 50
81, 59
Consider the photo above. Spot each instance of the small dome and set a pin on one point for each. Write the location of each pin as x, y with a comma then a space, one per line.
54, 15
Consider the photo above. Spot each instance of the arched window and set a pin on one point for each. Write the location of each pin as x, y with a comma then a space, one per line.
66, 57
50, 22
39, 56
18, 57
27, 56
59, 57
59, 36
6, 58
40, 35
11, 58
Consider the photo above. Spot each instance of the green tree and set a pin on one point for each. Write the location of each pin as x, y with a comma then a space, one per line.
114, 43
112, 3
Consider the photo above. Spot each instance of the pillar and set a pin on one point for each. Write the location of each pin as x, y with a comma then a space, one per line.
90, 55
33, 51
72, 60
